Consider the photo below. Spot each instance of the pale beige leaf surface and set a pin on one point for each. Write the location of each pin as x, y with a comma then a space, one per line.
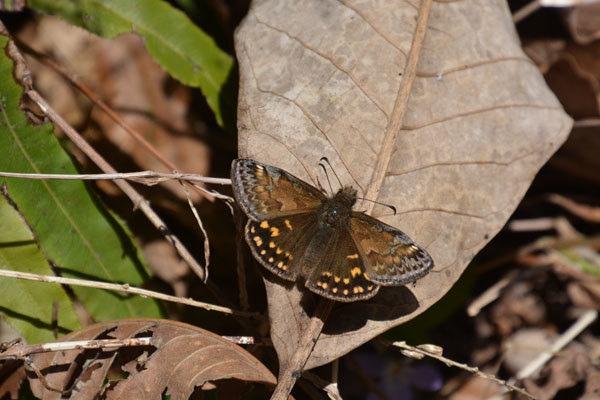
182, 357
320, 78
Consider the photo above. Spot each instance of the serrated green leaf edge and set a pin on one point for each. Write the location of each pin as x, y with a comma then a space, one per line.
177, 44
72, 228
28, 305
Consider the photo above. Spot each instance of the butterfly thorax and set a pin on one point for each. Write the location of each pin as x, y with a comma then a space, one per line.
337, 210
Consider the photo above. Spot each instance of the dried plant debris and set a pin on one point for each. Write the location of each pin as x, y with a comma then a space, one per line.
179, 358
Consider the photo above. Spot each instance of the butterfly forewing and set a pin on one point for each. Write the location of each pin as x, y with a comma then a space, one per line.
294, 231
390, 256
279, 244
266, 192
339, 274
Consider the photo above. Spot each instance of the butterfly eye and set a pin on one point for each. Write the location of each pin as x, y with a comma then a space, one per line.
332, 216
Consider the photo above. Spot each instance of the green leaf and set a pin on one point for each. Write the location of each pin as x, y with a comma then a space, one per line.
579, 262
72, 228
27, 305
179, 46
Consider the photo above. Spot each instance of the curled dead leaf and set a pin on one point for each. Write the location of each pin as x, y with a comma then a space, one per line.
181, 358
322, 78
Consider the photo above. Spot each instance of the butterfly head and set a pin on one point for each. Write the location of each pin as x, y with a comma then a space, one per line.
337, 210
346, 196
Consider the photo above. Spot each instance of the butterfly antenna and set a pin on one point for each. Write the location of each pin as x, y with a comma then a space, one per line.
326, 176
381, 204
321, 188
332, 170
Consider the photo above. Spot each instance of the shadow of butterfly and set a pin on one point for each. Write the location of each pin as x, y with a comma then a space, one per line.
294, 229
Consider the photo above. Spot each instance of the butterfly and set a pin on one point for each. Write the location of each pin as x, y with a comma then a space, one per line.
295, 230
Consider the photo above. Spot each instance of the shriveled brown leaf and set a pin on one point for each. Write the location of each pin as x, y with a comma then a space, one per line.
12, 375
572, 72
585, 294
592, 385
544, 52
320, 78
518, 305
577, 89
522, 347
583, 20
181, 358
569, 367
125, 76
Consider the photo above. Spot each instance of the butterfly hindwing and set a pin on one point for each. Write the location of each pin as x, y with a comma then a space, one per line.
295, 231
279, 244
266, 192
340, 273
390, 256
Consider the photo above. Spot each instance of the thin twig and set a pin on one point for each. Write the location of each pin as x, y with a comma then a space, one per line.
329, 387
201, 225
29, 364
395, 124
135, 197
583, 211
526, 11
18, 352
582, 322
241, 340
451, 363
491, 294
228, 199
238, 218
127, 289
292, 370
532, 224
146, 177
75, 81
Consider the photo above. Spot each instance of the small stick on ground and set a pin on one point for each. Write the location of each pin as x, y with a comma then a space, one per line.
127, 289
452, 363
293, 369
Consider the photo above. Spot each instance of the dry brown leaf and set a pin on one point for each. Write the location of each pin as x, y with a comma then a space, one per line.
320, 78
12, 375
583, 20
181, 358
577, 89
579, 156
569, 367
519, 304
523, 346
124, 75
